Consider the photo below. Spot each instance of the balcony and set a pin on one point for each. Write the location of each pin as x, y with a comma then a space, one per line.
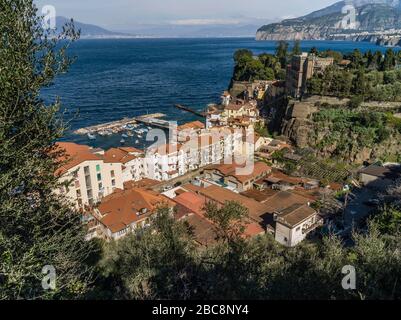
308, 228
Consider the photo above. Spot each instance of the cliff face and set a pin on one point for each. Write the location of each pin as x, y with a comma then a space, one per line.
352, 146
376, 21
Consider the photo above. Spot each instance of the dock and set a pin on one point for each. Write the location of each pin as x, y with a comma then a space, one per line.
118, 126
199, 114
154, 122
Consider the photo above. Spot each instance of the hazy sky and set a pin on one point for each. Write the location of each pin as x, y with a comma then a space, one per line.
124, 14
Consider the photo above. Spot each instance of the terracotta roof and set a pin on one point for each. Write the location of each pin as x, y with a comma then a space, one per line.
192, 201
283, 200
196, 125
280, 176
203, 230
221, 195
260, 196
230, 170
191, 187
191, 208
253, 229
75, 154
115, 155
131, 150
142, 184
121, 208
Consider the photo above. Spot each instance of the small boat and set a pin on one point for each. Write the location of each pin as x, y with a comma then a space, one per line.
149, 128
122, 141
124, 135
137, 141
91, 136
130, 134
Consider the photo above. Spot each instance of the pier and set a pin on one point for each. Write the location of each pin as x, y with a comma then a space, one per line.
118, 126
199, 114
154, 122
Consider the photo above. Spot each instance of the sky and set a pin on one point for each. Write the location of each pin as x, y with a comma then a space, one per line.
128, 14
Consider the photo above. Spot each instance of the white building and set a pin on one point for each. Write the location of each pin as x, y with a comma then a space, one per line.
84, 175
294, 223
131, 159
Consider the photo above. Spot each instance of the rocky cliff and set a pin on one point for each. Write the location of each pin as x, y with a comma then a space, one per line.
334, 137
377, 21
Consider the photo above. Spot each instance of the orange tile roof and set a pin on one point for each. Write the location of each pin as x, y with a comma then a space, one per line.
120, 209
191, 187
131, 150
192, 201
115, 155
74, 155
253, 229
230, 170
221, 195
196, 125
142, 184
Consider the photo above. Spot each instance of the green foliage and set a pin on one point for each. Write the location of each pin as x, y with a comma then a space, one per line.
347, 130
297, 48
154, 263
388, 220
229, 220
163, 263
250, 68
37, 227
282, 53
262, 130
369, 76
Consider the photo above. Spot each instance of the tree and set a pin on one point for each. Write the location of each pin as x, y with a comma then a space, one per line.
388, 220
389, 61
230, 220
282, 52
153, 263
297, 48
359, 83
37, 227
314, 51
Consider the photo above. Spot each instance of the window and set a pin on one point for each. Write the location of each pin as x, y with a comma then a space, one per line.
112, 173
299, 228
78, 193
86, 170
98, 167
99, 177
100, 186
113, 183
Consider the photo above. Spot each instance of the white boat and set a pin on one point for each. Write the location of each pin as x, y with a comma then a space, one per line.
124, 135
91, 136
122, 141
136, 141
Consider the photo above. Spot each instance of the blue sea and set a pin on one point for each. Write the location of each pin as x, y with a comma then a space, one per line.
113, 79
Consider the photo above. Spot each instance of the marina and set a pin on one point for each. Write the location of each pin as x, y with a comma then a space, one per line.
127, 127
